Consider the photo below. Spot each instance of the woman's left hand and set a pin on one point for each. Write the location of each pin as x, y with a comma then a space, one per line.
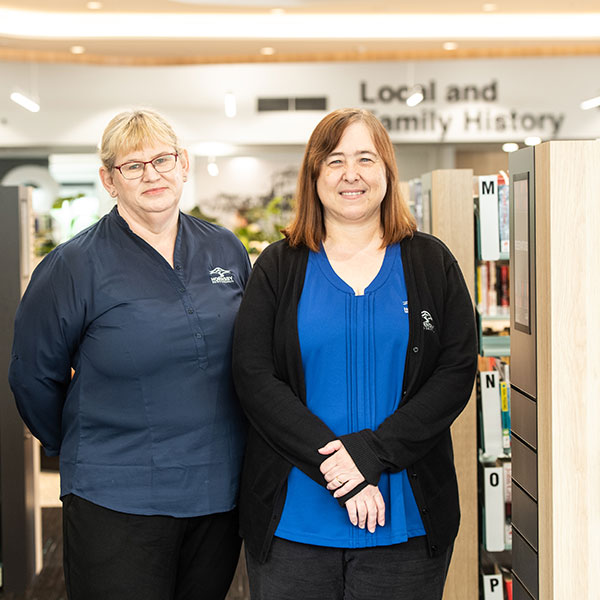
367, 509
339, 470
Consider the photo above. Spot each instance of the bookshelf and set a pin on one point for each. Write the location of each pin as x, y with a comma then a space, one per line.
450, 216
21, 540
556, 374
491, 205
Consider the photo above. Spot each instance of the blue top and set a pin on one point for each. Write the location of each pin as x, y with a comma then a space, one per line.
149, 423
353, 353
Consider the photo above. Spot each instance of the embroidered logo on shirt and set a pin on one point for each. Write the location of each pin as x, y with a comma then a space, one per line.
405, 305
427, 321
219, 275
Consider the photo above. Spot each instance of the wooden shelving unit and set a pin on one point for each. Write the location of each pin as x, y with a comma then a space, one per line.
557, 468
451, 193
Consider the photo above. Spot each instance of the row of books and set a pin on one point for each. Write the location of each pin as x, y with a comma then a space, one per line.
492, 288
492, 299
492, 217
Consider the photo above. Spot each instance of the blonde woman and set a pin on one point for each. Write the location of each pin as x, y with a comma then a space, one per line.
141, 306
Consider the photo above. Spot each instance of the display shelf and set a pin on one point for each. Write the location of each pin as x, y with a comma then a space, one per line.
451, 210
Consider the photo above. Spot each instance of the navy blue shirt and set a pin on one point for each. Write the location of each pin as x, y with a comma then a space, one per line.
353, 354
149, 422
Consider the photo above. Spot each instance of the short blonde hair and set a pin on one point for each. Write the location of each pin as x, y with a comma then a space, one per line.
308, 225
132, 130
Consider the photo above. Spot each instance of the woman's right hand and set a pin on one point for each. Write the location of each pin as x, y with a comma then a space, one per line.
367, 508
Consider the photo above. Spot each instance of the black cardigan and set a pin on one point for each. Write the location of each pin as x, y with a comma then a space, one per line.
439, 372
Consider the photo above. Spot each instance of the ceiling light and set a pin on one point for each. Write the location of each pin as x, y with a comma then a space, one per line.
489, 7
591, 103
359, 27
212, 167
267, 51
510, 147
533, 140
416, 96
94, 5
230, 105
450, 46
77, 49
25, 102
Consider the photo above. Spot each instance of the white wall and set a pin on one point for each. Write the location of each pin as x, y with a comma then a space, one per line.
538, 96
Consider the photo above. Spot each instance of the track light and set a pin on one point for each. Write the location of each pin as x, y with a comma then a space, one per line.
533, 140
416, 96
591, 103
212, 167
25, 102
230, 105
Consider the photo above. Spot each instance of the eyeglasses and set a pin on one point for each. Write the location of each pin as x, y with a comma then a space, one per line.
135, 169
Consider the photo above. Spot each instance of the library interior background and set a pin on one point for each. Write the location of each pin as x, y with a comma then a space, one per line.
473, 96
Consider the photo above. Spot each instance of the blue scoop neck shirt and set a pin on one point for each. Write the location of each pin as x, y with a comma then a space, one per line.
353, 354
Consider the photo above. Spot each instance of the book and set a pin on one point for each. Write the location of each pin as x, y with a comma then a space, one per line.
489, 386
492, 291
493, 587
507, 477
505, 415
503, 216
494, 512
503, 295
482, 288
508, 583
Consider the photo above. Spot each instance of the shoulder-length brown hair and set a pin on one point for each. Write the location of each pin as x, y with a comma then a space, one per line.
308, 225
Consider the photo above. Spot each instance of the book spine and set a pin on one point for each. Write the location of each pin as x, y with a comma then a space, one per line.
505, 415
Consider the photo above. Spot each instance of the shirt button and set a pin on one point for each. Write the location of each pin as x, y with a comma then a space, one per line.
181, 290
178, 267
190, 311
414, 475
198, 335
415, 349
424, 511
434, 548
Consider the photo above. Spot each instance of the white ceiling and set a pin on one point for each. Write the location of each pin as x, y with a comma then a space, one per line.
228, 31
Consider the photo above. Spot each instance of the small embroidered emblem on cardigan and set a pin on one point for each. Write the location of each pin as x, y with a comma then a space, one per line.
427, 321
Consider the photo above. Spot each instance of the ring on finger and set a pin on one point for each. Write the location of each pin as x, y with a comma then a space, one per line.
340, 481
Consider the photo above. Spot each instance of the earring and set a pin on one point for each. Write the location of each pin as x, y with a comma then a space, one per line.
114, 193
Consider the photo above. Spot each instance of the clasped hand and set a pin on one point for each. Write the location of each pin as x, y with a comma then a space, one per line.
367, 507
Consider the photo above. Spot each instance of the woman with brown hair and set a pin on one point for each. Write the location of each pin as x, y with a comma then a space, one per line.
354, 351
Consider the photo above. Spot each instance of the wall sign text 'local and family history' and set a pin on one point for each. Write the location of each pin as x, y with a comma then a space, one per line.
488, 117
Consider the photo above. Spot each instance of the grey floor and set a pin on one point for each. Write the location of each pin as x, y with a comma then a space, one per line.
50, 585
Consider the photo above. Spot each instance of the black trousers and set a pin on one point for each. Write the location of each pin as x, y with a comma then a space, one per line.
296, 571
110, 555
